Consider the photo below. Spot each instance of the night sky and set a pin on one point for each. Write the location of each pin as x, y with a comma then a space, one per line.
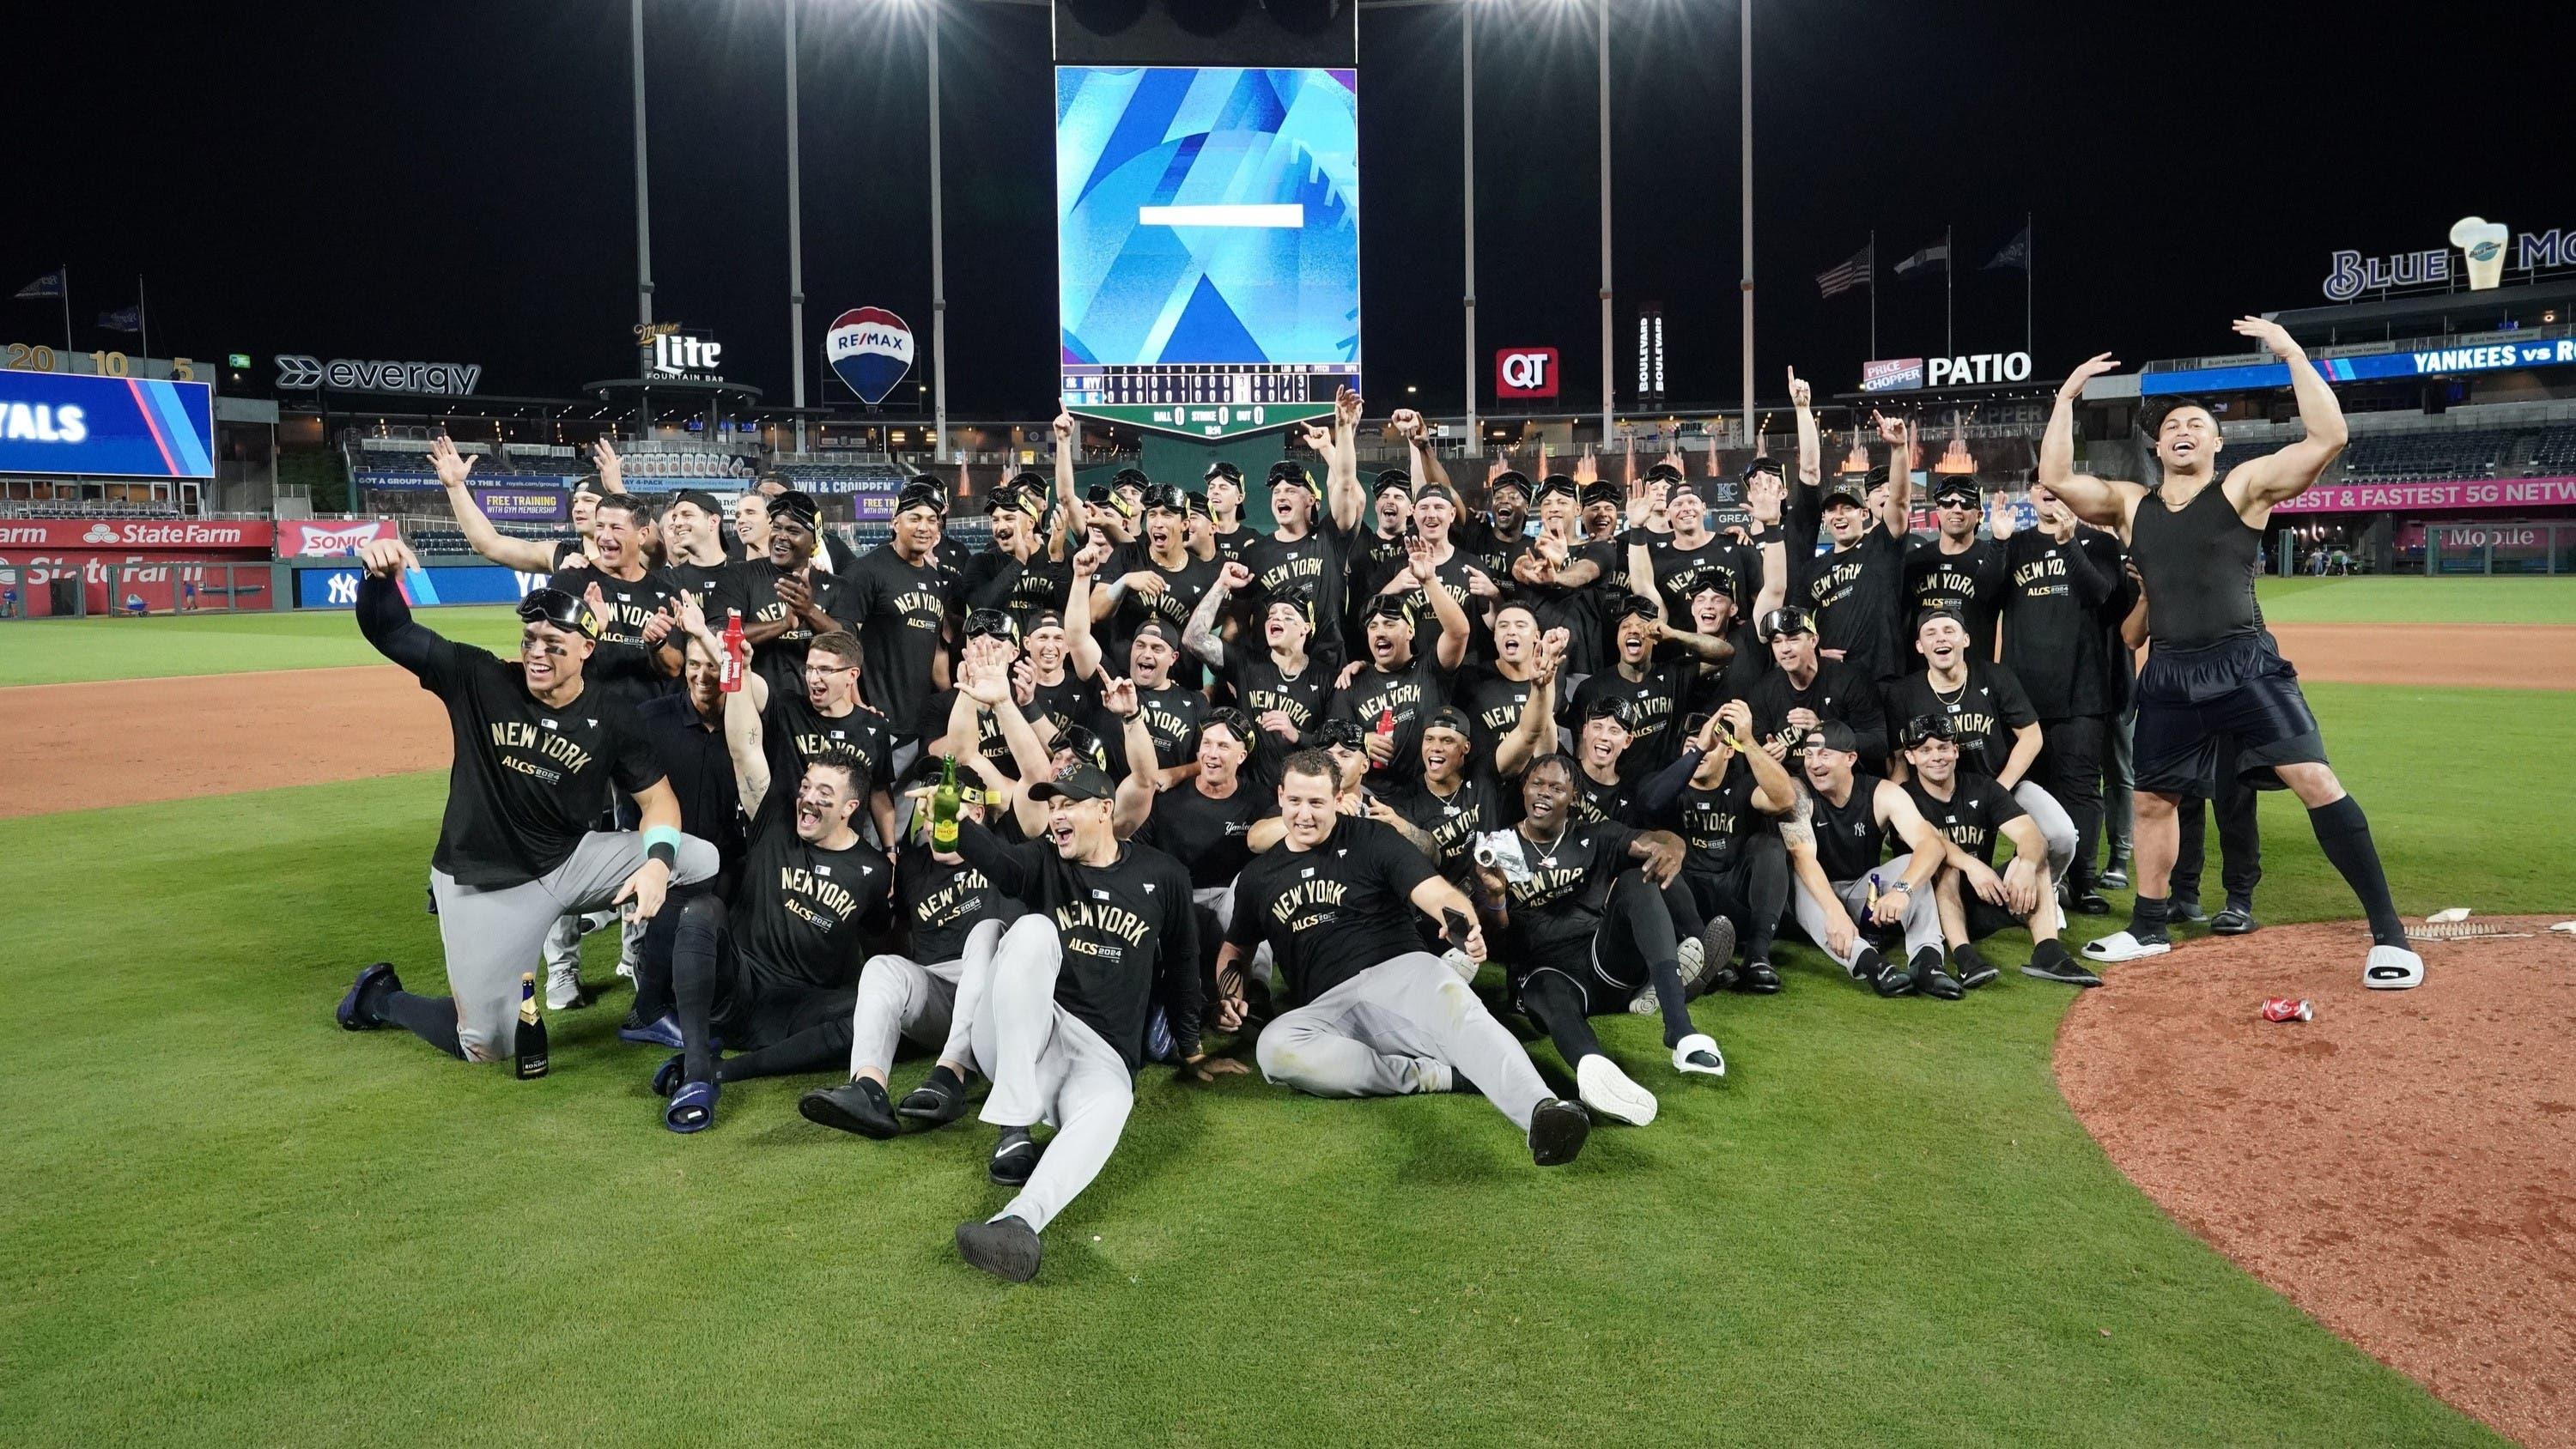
453, 182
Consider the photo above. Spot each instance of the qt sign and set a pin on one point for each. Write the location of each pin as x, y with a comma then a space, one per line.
1525, 372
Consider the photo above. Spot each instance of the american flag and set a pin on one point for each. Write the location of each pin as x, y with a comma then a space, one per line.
1860, 271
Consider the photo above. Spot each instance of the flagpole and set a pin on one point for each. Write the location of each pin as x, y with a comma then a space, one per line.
2029, 283
142, 315
1873, 293
65, 271
1949, 295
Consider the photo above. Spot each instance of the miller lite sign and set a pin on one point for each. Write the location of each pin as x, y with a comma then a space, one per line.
870, 350
1525, 372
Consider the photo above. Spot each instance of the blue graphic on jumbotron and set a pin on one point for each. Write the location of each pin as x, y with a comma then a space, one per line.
1208, 215
132, 427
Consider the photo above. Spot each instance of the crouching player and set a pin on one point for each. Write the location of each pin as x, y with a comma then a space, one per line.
1971, 812
1584, 933
1374, 1014
915, 995
1836, 846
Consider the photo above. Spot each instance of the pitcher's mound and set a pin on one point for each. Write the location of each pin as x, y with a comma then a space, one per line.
2403, 1167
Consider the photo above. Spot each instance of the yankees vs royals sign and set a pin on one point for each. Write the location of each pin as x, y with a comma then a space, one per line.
870, 350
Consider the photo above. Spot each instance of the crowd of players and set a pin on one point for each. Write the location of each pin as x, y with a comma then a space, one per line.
1289, 786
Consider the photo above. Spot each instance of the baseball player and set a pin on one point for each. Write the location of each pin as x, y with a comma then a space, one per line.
1804, 689
1721, 796
534, 760
2211, 670
1991, 719
898, 599
1856, 590
1399, 677
1371, 1013
1837, 842
1281, 685
1972, 812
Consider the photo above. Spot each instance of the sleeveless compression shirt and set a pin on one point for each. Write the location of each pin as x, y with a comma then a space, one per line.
2199, 565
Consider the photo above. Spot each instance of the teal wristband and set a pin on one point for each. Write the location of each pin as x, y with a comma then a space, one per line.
662, 843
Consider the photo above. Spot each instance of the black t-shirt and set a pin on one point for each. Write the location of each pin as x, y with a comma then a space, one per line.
1850, 841
781, 661
2053, 635
1858, 595
989, 741
1374, 558
1714, 822
1678, 571
1412, 693
1453, 577
1494, 704
800, 912
1130, 933
1259, 688
899, 610
1555, 912
1184, 587
711, 584
527, 781
1172, 714
1970, 581
1575, 610
693, 755
1713, 685
993, 579
1313, 563
1973, 817
1230, 546
1983, 712
1596, 801
1493, 545
1653, 702
621, 667
1837, 692
1332, 912
945, 902
1455, 820
1204, 834
1068, 701
793, 732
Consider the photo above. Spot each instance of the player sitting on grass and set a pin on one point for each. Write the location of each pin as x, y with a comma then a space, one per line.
1971, 812
1584, 932
1837, 842
534, 760
773, 971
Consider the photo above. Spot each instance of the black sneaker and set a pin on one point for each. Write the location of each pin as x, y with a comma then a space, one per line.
1556, 1132
2236, 920
2115, 876
1971, 967
2049, 962
1930, 979
1883, 978
2185, 910
1757, 977
938, 1101
1717, 959
1007, 1247
1014, 1158
2089, 902
858, 1106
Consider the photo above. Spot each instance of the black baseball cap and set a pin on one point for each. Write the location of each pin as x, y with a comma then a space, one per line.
1786, 620
1199, 507
1395, 478
1386, 606
1924, 727
1288, 472
1223, 469
562, 610
1555, 483
1940, 611
1237, 721
797, 506
699, 498
1450, 717
1764, 464
1045, 619
1296, 597
1845, 487
1958, 485
1160, 630
1081, 780
1832, 734
1344, 733
1437, 489
1510, 478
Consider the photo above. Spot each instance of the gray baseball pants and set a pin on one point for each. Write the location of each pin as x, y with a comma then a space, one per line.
1373, 1036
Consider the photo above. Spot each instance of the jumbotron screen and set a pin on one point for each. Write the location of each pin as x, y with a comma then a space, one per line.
1207, 244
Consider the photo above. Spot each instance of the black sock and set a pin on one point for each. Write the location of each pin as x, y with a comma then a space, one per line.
2344, 834
1966, 960
1667, 979
1867, 963
1926, 961
945, 1080
1766, 896
431, 1018
1557, 1007
814, 1049
693, 985
2048, 953
2147, 918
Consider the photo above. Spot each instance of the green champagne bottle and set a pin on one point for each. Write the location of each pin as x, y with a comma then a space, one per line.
943, 807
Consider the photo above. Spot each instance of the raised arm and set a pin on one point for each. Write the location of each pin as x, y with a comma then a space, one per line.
2281, 476
1425, 463
1762, 499
612, 469
1342, 470
1199, 635
1081, 647
1896, 515
526, 555
743, 742
2099, 501
1811, 445
383, 617
1068, 499
1537, 725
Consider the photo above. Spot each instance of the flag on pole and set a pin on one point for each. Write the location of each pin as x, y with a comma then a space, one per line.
1934, 258
1860, 271
46, 287
129, 319
2016, 253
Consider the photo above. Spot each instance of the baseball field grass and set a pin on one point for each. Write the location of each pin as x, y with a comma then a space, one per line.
69, 651
2546, 600
234, 1223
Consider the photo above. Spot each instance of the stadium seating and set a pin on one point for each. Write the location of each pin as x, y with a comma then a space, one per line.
2398, 457
434, 538
2554, 452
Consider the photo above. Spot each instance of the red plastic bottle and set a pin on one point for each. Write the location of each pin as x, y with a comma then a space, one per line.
1386, 732
733, 651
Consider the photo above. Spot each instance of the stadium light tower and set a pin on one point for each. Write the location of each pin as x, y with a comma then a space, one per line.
795, 234
1467, 93
938, 251
643, 201
1609, 368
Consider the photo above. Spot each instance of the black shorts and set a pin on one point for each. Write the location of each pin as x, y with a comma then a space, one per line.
2189, 698
1984, 917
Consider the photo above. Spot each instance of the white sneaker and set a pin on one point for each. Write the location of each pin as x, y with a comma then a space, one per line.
1698, 1052
1606, 1090
563, 985
2121, 946
2392, 968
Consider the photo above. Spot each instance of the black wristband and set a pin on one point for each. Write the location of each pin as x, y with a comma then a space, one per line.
662, 851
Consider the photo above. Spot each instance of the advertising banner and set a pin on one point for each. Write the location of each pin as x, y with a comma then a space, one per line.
2427, 497
166, 535
2430, 362
124, 427
319, 538
524, 505
337, 588
1525, 372
423, 479
1890, 374
33, 585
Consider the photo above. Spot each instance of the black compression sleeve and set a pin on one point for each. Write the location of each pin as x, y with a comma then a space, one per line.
2092, 581
1182, 992
1001, 865
386, 621
1661, 789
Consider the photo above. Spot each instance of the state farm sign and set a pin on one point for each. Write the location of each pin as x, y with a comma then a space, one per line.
117, 533
1525, 372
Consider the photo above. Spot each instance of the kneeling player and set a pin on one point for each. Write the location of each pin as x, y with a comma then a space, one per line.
1970, 811
1061, 1003
1574, 953
770, 972
1374, 1014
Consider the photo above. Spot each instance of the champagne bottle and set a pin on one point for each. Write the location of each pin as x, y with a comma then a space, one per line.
532, 1030
943, 807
